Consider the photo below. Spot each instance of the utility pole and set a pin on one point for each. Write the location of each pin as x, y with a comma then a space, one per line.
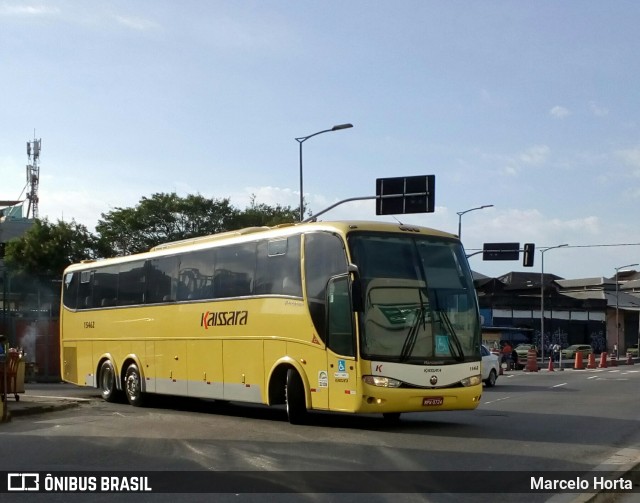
33, 175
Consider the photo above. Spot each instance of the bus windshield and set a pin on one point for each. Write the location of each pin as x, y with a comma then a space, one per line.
419, 303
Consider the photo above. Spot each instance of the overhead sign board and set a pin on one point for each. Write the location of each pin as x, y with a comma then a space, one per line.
405, 194
501, 251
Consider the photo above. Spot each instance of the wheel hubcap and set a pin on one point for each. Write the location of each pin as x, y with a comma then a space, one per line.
132, 385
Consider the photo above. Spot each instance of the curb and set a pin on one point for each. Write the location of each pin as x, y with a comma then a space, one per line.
41, 408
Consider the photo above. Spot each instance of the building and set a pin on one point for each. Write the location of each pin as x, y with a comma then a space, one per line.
579, 311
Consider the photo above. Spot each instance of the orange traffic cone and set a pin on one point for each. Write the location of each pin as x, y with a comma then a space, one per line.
550, 364
578, 365
532, 361
592, 361
614, 361
629, 359
603, 361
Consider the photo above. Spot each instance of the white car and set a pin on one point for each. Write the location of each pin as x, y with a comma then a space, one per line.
490, 367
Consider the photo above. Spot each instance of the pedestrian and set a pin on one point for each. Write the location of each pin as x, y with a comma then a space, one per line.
556, 352
514, 360
506, 354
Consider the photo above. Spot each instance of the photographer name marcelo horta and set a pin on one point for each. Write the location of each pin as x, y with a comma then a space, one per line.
581, 484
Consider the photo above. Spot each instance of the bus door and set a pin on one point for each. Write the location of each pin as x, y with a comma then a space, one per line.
341, 347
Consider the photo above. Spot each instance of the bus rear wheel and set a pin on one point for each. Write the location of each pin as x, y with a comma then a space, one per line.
294, 394
133, 386
107, 382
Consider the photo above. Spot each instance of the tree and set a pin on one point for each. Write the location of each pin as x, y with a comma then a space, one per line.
46, 249
162, 218
262, 214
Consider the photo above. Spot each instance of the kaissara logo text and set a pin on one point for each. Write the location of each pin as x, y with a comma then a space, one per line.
222, 318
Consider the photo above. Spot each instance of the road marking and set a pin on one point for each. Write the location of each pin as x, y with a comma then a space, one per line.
558, 385
498, 399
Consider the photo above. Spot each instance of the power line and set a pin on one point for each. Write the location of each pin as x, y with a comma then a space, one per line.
577, 246
603, 245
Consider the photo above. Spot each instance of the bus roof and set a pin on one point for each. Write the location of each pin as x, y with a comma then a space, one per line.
252, 233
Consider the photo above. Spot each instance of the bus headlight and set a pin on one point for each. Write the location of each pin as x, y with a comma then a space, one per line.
472, 381
382, 382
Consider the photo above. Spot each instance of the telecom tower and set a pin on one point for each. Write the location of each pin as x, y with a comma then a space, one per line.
33, 175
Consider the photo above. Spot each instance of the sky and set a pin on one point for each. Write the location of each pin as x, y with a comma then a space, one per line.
531, 106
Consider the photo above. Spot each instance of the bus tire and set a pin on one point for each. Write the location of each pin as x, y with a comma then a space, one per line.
107, 382
294, 398
133, 386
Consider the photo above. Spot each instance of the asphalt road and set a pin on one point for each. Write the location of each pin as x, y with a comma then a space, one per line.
534, 423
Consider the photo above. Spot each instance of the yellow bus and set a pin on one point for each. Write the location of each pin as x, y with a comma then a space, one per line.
358, 317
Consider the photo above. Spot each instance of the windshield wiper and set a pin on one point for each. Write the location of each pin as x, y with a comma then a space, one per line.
458, 354
412, 336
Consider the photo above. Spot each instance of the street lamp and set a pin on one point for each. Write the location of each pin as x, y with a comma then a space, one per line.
300, 141
617, 307
460, 213
542, 250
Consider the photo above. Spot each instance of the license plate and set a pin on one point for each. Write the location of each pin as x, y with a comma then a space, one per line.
437, 400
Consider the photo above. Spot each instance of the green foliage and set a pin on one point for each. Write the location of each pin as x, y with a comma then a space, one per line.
164, 218
47, 249
159, 219
262, 214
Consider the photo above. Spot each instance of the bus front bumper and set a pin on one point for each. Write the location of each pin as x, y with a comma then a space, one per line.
384, 400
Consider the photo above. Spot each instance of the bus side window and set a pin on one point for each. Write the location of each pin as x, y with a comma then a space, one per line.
235, 270
339, 313
324, 257
70, 290
195, 276
131, 284
105, 286
278, 267
85, 290
162, 276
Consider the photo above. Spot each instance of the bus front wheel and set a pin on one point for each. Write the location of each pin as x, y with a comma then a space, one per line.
294, 393
133, 385
108, 388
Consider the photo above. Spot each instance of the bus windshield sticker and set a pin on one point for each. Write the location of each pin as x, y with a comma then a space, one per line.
442, 345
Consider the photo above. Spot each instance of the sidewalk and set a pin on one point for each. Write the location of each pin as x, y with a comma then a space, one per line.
570, 364
29, 404
33, 401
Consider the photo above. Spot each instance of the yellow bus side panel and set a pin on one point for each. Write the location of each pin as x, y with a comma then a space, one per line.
171, 367
70, 363
313, 364
149, 366
243, 363
343, 383
205, 373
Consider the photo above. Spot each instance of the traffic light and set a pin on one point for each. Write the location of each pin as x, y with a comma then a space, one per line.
528, 254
